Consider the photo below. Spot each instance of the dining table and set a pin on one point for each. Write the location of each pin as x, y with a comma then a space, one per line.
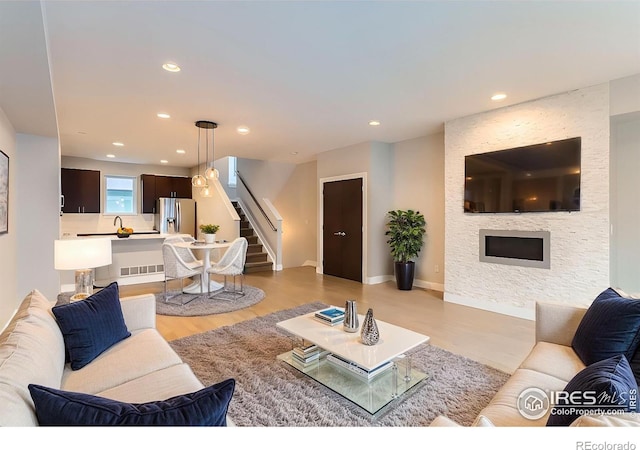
198, 287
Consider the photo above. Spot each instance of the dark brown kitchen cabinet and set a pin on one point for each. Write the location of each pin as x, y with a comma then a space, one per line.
182, 187
157, 186
148, 194
80, 190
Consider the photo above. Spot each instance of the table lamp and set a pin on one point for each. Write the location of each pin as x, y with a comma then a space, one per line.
82, 255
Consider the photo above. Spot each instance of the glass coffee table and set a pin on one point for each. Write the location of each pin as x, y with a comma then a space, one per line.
375, 395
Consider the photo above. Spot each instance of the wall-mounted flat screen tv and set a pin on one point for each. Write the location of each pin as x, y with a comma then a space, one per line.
536, 178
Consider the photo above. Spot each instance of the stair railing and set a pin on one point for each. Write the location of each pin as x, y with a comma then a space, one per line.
271, 241
253, 197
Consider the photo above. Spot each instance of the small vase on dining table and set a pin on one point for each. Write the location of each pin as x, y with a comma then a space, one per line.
209, 238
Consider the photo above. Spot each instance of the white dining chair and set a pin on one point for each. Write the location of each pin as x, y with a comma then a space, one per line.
186, 253
230, 265
177, 267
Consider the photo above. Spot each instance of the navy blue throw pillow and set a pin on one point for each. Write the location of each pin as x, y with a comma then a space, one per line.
610, 327
604, 387
91, 326
206, 407
635, 365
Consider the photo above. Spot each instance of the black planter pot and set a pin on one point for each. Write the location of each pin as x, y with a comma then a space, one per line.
404, 275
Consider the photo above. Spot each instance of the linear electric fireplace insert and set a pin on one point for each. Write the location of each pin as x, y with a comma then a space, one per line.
515, 248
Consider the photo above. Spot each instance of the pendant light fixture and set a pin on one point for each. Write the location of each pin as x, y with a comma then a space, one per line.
206, 190
211, 173
198, 180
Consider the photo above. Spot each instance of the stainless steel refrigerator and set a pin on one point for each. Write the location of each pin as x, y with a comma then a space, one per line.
176, 215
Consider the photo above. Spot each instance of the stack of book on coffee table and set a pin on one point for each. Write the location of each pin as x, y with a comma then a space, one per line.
356, 369
307, 354
330, 316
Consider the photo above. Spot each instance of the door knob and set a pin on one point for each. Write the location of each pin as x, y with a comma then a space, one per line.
339, 233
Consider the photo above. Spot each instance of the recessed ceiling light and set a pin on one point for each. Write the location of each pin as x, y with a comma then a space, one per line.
118, 144
171, 67
164, 115
374, 123
242, 129
82, 132
182, 152
498, 97
164, 161
294, 153
111, 156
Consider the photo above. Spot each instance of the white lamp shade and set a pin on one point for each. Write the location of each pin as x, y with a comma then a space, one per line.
73, 254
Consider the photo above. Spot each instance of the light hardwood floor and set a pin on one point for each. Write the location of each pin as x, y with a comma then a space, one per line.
494, 339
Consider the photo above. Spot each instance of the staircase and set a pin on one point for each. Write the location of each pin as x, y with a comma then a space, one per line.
257, 258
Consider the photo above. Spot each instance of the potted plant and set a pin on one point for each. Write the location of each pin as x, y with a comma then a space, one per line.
406, 230
209, 231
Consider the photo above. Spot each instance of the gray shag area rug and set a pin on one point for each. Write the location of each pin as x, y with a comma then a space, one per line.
202, 305
270, 393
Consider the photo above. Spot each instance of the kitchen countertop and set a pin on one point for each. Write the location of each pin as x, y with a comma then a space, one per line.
137, 235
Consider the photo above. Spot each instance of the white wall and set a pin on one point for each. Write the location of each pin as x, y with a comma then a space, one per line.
298, 206
380, 185
37, 213
625, 213
267, 180
216, 210
579, 241
625, 185
625, 95
9, 298
375, 161
419, 185
222, 165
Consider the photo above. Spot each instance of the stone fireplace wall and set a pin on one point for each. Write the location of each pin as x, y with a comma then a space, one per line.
579, 248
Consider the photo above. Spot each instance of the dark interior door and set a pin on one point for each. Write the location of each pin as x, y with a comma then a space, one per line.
342, 229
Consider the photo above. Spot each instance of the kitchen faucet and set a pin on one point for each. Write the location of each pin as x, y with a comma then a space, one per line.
116, 219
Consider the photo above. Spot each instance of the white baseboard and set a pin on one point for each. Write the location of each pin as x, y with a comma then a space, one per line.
417, 283
310, 263
379, 279
429, 285
509, 310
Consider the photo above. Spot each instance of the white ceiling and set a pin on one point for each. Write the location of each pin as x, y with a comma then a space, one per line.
305, 76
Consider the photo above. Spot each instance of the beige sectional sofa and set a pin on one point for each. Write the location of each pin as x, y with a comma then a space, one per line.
550, 365
141, 368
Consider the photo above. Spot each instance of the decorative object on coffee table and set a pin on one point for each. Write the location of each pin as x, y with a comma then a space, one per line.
370, 334
351, 323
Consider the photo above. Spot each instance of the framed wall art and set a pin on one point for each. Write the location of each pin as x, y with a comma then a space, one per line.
4, 193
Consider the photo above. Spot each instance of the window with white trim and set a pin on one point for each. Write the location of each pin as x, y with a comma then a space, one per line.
120, 194
233, 164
